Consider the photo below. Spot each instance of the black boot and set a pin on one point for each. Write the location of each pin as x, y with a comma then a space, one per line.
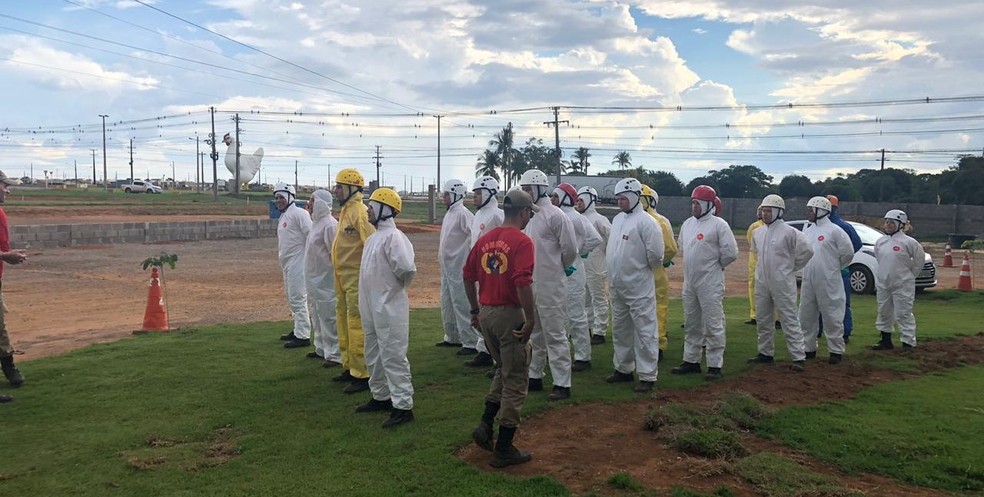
398, 417
10, 371
560, 393
535, 385
597, 339
686, 368
345, 377
811, 355
834, 359
482, 434
375, 406
505, 453
483, 359
5, 398
357, 385
619, 377
581, 366
761, 359
885, 343
713, 374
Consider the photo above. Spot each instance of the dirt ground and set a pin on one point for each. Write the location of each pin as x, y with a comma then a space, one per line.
66, 298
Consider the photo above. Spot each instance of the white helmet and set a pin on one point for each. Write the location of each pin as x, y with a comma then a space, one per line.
820, 203
897, 215
774, 200
456, 188
487, 182
587, 190
628, 185
284, 187
534, 177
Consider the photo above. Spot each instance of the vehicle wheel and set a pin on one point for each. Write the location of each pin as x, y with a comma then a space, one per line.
862, 281
127, 190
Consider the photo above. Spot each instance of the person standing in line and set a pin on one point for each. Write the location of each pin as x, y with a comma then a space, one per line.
387, 270
650, 200
782, 251
353, 230
595, 272
708, 246
846, 272
451, 252
822, 290
292, 233
12, 257
501, 264
488, 216
321, 279
752, 262
588, 240
635, 250
556, 249
900, 259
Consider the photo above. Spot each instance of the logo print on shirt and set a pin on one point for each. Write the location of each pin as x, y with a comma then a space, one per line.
700, 236
896, 248
820, 238
494, 262
625, 237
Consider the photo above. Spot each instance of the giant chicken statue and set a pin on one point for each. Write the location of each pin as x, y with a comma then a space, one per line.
249, 165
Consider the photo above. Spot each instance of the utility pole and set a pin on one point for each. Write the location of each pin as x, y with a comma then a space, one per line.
131, 159
881, 179
215, 158
105, 180
197, 154
237, 155
295, 175
438, 116
76, 174
556, 125
377, 157
329, 177
93, 166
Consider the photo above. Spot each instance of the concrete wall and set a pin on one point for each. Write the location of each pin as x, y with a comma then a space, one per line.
927, 219
71, 235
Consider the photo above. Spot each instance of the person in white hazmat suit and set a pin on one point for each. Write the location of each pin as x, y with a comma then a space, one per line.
293, 227
488, 216
595, 273
320, 273
387, 269
555, 250
635, 249
782, 251
708, 246
822, 291
588, 240
900, 260
455, 242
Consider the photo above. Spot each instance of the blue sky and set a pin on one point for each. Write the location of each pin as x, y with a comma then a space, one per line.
328, 81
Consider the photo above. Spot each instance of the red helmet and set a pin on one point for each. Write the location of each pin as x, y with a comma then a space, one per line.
569, 190
705, 193
718, 206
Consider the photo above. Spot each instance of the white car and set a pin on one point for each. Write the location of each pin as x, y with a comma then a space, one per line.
864, 264
140, 186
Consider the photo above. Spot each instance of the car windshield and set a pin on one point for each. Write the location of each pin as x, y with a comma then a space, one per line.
868, 234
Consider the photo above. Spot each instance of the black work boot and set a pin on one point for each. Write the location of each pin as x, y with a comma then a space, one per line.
686, 368
597, 339
375, 406
811, 355
297, 343
505, 453
761, 359
798, 366
357, 385
398, 417
466, 351
535, 385
10, 371
447, 344
482, 360
482, 434
885, 343
288, 336
581, 366
834, 358
559, 393
644, 386
713, 374
619, 377
345, 377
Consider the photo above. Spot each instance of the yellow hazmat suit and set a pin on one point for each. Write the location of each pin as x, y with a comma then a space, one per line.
752, 262
662, 279
346, 254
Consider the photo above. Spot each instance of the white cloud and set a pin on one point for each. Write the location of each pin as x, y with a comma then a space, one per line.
64, 70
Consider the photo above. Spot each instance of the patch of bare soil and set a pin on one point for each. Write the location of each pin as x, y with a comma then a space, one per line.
582, 447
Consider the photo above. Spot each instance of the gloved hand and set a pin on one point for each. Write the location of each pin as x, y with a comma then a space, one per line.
585, 255
667, 264
846, 271
569, 270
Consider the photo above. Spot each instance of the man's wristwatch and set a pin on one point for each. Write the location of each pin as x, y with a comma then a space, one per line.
475, 311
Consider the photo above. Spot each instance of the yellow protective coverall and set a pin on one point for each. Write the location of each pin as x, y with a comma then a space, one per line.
346, 254
662, 280
752, 262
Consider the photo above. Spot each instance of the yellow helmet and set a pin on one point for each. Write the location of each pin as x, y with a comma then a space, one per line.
653, 198
387, 196
350, 177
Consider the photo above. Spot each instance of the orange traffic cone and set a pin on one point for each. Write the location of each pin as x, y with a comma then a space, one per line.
964, 283
948, 256
155, 317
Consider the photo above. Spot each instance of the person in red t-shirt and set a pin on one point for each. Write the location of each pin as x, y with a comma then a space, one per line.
10, 257
501, 263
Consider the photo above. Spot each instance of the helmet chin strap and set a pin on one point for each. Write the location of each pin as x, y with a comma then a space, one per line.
455, 198
776, 214
898, 227
351, 190
589, 204
486, 196
385, 212
816, 212
705, 208
541, 192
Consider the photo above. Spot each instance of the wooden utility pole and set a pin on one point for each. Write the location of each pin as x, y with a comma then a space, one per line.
378, 165
556, 125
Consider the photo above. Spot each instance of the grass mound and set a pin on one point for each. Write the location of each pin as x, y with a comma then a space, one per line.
776, 476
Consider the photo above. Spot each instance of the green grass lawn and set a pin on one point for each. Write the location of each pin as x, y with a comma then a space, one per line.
226, 411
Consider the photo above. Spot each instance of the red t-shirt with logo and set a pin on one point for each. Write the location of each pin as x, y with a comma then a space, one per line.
4, 237
500, 262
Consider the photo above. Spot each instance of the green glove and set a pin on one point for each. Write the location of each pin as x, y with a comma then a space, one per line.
585, 255
846, 271
569, 270
667, 264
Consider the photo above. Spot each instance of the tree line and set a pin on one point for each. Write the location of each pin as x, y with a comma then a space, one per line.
961, 183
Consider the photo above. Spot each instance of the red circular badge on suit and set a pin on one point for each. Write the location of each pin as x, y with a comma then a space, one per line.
285, 224
700, 236
820, 238
896, 248
481, 227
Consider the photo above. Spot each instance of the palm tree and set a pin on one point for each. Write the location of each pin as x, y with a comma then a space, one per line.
503, 143
488, 164
579, 162
623, 159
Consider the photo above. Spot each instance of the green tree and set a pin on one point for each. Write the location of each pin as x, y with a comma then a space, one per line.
665, 183
508, 155
488, 164
579, 161
702, 180
964, 182
796, 186
535, 155
623, 159
745, 181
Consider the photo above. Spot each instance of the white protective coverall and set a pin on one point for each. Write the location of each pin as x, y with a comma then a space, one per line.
588, 240
635, 248
292, 232
320, 273
387, 269
488, 217
455, 242
822, 291
708, 246
596, 274
555, 249
781, 250
900, 260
